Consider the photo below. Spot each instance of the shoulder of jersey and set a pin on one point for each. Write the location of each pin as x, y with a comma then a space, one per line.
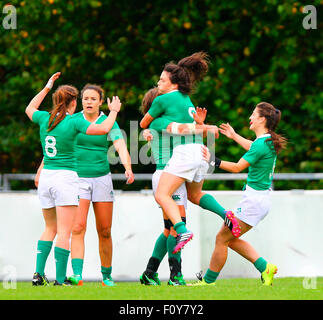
77, 114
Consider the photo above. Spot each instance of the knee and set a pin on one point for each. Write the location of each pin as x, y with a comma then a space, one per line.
51, 232
161, 197
194, 198
221, 240
79, 229
104, 233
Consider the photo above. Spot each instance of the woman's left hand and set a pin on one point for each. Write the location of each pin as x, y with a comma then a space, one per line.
147, 135
200, 115
130, 176
206, 154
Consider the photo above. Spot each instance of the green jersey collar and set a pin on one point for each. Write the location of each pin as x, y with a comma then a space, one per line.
101, 114
264, 135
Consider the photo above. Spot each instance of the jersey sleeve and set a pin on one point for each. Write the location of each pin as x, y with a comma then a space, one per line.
38, 116
115, 132
157, 108
254, 153
81, 125
160, 124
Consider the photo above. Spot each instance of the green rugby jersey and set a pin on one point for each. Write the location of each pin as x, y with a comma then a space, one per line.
179, 108
262, 158
59, 144
162, 143
92, 150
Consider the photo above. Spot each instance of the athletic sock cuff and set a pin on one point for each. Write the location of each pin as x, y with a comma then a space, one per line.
62, 251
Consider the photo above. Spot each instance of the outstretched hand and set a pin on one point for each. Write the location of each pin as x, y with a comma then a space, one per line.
227, 130
114, 104
52, 79
205, 153
200, 115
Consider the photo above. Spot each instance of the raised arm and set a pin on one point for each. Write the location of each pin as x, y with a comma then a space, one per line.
106, 125
228, 131
38, 99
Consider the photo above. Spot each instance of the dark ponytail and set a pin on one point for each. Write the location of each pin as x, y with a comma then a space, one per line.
272, 116
62, 98
188, 71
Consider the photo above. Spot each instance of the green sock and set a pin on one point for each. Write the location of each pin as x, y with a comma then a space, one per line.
160, 248
209, 203
77, 266
210, 276
61, 259
180, 227
171, 242
43, 250
106, 272
260, 264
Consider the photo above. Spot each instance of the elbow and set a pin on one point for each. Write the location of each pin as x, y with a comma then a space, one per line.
27, 109
143, 125
232, 169
237, 169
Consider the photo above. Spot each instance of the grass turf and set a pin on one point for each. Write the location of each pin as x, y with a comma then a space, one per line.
225, 289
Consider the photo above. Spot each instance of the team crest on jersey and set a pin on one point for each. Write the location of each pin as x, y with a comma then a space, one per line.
191, 110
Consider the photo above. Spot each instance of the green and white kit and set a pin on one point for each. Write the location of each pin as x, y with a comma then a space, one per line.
58, 181
162, 150
92, 162
186, 161
255, 203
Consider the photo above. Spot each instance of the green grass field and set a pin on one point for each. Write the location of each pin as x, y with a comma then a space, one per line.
225, 289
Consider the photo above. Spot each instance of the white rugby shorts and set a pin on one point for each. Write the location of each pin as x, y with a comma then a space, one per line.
98, 189
187, 162
58, 188
254, 206
179, 196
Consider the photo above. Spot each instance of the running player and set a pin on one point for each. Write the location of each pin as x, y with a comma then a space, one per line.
255, 204
186, 164
95, 184
58, 183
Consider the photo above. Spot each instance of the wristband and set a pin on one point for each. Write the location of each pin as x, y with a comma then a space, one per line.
50, 84
214, 161
175, 126
191, 127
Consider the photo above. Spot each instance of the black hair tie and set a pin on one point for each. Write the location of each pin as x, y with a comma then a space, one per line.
277, 111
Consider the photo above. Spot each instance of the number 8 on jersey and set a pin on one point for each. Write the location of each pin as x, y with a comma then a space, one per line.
50, 149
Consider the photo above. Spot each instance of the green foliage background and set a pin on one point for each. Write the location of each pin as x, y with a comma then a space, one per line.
259, 52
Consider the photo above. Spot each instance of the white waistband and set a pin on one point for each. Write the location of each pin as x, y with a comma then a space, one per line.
252, 190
